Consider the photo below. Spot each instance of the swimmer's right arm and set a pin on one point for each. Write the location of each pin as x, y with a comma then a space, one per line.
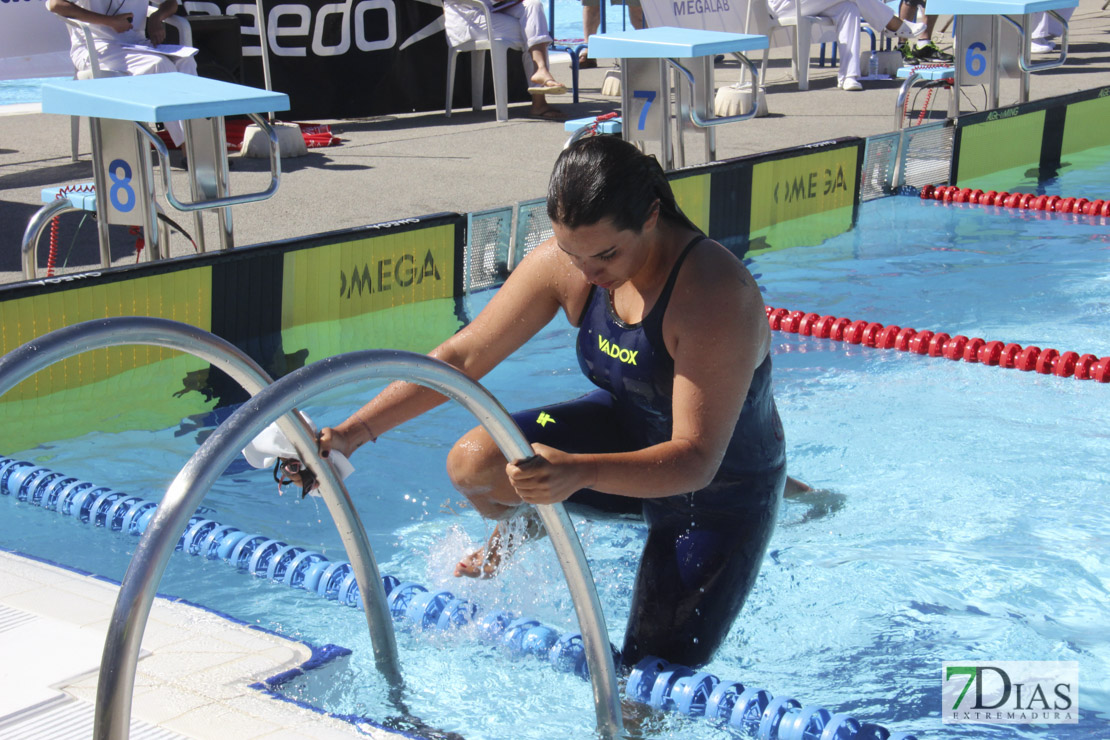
66, 9
528, 300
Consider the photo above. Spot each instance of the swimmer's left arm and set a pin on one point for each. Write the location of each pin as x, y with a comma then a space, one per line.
716, 331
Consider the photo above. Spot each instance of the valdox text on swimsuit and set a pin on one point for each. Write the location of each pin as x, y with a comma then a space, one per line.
628, 357
1010, 692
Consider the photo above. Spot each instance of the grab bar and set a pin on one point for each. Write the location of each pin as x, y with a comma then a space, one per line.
696, 118
33, 233
188, 489
1026, 64
60, 344
230, 200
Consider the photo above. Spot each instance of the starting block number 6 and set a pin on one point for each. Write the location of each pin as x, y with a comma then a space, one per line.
649, 98
121, 194
975, 61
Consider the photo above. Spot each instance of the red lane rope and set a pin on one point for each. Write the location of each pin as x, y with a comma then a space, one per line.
1026, 201
940, 344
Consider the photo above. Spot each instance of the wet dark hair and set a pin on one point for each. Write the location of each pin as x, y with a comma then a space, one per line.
602, 177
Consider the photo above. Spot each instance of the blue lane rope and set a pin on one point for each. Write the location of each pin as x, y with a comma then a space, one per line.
667, 687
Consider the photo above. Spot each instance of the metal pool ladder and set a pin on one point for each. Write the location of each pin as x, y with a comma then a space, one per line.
272, 401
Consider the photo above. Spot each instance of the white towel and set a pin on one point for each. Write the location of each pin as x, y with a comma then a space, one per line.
265, 449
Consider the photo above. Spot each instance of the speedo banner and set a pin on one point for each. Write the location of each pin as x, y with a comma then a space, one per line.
352, 59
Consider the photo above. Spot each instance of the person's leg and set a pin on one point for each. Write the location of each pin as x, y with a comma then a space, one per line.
910, 11
635, 14
1047, 29
477, 470
879, 15
187, 65
846, 15
138, 63
477, 467
697, 569
591, 21
533, 22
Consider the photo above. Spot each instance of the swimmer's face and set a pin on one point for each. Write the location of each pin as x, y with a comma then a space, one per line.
605, 255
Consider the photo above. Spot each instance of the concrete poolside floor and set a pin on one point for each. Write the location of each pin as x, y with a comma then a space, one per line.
193, 677
401, 166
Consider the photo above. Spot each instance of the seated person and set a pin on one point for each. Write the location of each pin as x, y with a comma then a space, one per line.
847, 15
113, 24
921, 50
512, 21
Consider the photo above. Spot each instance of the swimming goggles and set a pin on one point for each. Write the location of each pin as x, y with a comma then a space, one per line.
285, 468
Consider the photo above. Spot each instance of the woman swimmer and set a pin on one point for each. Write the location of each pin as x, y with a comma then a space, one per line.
682, 429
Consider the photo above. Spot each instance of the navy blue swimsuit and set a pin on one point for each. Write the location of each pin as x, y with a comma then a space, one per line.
704, 548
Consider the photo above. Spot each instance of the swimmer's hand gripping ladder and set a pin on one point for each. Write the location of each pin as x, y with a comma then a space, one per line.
121, 649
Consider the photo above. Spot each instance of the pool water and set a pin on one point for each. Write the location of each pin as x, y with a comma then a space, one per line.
963, 512
14, 92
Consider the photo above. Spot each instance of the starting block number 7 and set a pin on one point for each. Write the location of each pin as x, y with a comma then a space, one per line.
649, 98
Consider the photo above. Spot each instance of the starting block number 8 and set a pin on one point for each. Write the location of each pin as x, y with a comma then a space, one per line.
121, 194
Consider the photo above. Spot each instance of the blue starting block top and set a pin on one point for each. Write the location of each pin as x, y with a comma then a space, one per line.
927, 73
82, 197
675, 43
608, 126
997, 7
157, 98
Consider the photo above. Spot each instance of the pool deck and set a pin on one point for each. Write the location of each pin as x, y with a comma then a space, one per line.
52, 621
193, 674
401, 166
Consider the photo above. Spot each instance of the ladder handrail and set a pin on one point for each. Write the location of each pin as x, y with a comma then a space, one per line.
269, 402
209, 461
60, 344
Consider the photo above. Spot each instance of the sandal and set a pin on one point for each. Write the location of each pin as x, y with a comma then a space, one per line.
550, 87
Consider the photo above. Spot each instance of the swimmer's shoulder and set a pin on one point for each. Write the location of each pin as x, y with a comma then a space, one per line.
710, 266
715, 288
550, 265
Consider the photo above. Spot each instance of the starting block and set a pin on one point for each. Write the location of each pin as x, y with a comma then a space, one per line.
647, 59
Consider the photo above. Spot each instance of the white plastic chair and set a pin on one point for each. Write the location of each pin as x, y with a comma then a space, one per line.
497, 48
796, 31
185, 38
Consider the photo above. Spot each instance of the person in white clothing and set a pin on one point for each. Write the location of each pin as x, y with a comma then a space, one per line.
513, 20
1047, 29
117, 26
847, 14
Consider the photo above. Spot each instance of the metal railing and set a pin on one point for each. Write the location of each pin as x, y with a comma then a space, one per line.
278, 401
58, 345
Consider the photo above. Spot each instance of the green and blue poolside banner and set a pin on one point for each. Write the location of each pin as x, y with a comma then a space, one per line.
1013, 148
286, 304
789, 198
805, 200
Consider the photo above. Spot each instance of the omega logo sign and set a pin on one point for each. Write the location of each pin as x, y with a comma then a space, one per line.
293, 28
